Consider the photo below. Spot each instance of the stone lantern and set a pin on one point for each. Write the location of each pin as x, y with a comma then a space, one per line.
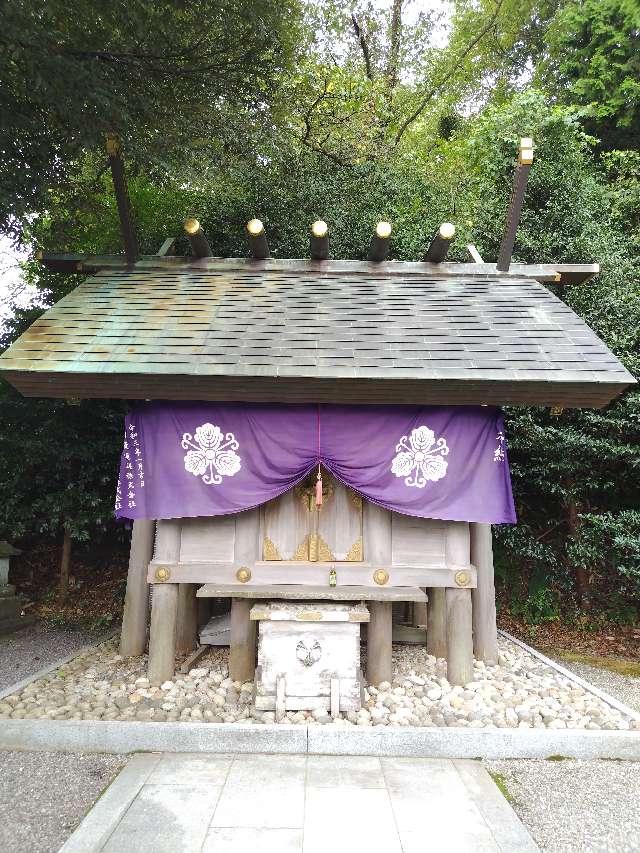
11, 616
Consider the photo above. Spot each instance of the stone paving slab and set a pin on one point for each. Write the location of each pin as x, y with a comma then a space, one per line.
300, 804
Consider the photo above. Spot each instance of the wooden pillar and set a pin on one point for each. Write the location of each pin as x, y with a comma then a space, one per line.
164, 606
379, 639
204, 611
133, 637
437, 622
459, 636
187, 619
485, 631
242, 650
458, 606
420, 614
377, 535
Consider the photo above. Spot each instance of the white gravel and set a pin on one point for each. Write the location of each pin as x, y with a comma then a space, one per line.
32, 648
624, 688
521, 692
573, 806
45, 795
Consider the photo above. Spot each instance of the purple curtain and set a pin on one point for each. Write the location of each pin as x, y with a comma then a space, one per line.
182, 460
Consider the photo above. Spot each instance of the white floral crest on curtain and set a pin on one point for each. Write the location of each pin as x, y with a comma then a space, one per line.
419, 457
211, 454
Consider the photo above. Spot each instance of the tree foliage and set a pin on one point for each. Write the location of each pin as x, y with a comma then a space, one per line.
165, 74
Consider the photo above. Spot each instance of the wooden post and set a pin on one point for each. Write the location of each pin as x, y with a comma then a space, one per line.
525, 159
439, 246
485, 631
242, 648
256, 235
164, 606
474, 254
459, 618
127, 228
65, 561
204, 611
459, 636
379, 642
162, 638
437, 622
319, 241
133, 637
187, 618
199, 243
379, 248
420, 614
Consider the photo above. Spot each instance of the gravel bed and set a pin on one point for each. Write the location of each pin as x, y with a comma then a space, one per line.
32, 648
45, 795
570, 806
520, 692
624, 688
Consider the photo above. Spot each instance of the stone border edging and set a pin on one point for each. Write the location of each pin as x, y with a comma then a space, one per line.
20, 685
105, 814
117, 737
581, 682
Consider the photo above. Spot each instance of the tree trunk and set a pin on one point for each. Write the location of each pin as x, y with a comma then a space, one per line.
580, 572
63, 587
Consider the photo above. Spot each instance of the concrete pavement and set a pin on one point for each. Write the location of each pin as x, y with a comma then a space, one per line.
300, 804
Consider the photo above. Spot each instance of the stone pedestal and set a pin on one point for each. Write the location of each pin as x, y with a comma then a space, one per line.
309, 656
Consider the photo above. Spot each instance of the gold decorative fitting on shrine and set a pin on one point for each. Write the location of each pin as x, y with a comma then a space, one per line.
381, 577
462, 578
162, 574
309, 616
556, 411
243, 574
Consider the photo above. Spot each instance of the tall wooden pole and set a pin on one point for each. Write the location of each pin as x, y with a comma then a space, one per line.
525, 159
133, 637
118, 174
485, 631
187, 618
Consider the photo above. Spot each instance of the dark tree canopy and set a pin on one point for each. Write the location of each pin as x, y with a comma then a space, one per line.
164, 74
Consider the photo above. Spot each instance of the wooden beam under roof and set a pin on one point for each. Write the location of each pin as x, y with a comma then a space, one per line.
559, 273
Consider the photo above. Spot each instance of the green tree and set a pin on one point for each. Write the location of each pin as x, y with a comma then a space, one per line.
594, 62
165, 75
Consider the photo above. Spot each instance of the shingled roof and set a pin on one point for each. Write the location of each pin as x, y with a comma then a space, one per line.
284, 331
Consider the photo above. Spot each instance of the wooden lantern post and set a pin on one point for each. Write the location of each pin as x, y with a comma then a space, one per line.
439, 245
257, 237
525, 159
379, 248
319, 241
197, 238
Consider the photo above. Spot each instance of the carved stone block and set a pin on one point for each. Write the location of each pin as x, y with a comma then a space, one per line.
304, 648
